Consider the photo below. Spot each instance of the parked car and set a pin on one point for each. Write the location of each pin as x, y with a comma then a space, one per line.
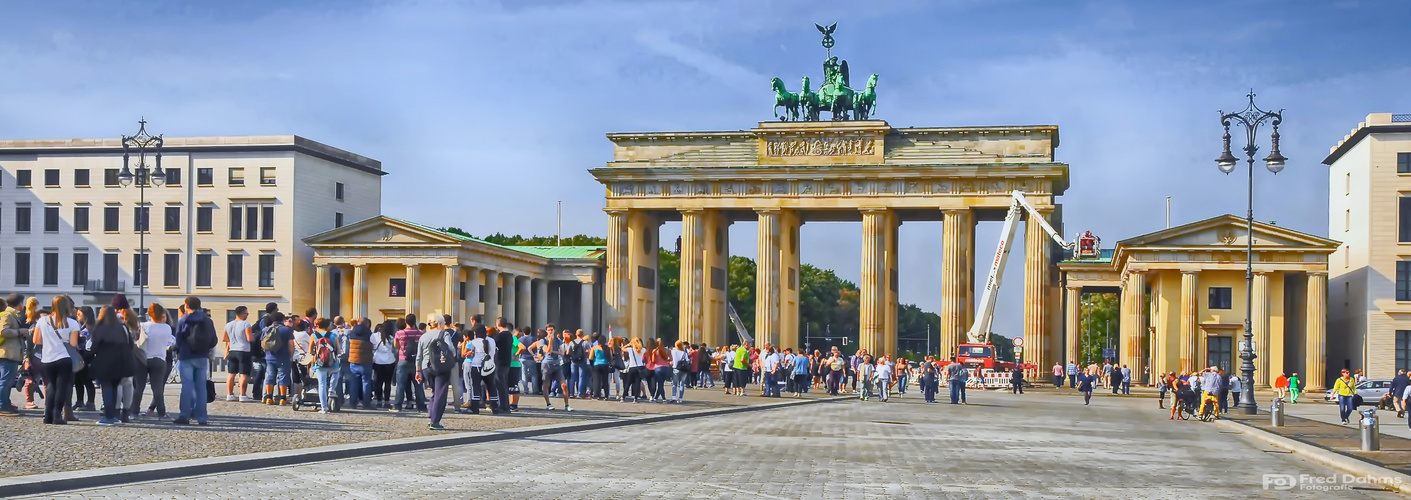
1368, 393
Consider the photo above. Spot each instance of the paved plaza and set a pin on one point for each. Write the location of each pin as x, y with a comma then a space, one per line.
1043, 444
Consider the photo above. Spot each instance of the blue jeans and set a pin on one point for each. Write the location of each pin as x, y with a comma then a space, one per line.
359, 385
277, 374
678, 384
581, 376
8, 371
407, 388
955, 387
327, 382
1345, 408
193, 388
768, 384
659, 381
529, 378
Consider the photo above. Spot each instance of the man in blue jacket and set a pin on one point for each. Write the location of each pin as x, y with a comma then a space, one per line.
195, 338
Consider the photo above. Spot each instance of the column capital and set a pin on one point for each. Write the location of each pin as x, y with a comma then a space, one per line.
1190, 271
1077, 288
696, 211
1264, 273
1317, 273
873, 210
768, 211
616, 211
359, 266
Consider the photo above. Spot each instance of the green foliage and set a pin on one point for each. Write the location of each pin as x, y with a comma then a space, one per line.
742, 292
1004, 347
668, 296
1099, 326
538, 241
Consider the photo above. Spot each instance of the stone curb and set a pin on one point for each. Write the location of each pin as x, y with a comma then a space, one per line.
1344, 462
39, 484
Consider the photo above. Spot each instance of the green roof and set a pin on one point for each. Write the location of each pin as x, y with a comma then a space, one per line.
565, 252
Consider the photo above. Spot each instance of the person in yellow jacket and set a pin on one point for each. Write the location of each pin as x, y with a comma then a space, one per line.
1344, 389
12, 335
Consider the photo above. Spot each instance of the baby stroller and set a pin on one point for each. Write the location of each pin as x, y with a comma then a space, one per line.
304, 392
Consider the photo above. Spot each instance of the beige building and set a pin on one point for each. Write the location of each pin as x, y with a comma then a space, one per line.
1369, 210
1182, 296
786, 174
225, 225
383, 268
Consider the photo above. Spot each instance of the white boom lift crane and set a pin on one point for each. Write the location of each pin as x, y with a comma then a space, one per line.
980, 331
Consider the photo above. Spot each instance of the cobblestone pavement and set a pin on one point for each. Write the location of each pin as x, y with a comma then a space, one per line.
238, 428
1000, 446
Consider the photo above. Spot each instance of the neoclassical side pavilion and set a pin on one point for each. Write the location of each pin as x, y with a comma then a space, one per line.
786, 174
1182, 298
384, 268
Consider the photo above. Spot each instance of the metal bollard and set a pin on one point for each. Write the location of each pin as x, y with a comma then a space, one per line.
1371, 435
1276, 412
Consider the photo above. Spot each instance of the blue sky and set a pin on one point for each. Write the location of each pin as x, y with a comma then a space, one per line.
510, 100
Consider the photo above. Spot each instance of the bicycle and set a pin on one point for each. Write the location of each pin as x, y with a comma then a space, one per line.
1209, 408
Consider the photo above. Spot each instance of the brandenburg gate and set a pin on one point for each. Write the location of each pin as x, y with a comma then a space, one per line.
784, 174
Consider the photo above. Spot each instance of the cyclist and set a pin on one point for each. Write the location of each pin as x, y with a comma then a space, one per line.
1210, 382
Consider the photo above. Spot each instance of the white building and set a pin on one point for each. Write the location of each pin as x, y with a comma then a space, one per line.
1369, 286
227, 224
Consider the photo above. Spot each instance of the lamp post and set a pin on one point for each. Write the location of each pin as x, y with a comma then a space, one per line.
142, 142
1251, 118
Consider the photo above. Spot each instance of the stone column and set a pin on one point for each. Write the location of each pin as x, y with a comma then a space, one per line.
617, 291
889, 288
472, 293
492, 296
789, 280
1157, 331
1315, 348
692, 285
957, 264
1190, 322
540, 289
523, 302
715, 322
413, 294
1133, 324
321, 289
874, 261
585, 307
766, 315
1259, 322
450, 294
509, 297
1073, 325
644, 245
360, 290
1036, 274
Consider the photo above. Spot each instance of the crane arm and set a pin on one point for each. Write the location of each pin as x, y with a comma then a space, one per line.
980, 331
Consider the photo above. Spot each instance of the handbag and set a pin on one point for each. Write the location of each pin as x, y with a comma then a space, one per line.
210, 391
75, 358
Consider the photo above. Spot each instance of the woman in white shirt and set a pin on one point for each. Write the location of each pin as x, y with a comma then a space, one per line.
51, 333
384, 364
632, 379
678, 378
156, 337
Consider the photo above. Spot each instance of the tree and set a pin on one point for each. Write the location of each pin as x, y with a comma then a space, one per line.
668, 295
1099, 325
742, 293
538, 241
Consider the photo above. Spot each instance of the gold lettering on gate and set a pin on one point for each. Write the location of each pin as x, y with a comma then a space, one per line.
820, 146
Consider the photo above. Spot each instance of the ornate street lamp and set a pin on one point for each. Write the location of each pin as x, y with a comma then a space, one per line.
1251, 118
143, 142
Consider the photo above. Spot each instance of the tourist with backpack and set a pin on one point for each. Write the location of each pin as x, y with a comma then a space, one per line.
360, 354
681, 366
277, 342
578, 355
323, 346
477, 352
435, 362
408, 387
195, 339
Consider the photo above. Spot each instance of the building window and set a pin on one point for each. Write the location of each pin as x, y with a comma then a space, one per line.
266, 270
252, 223
22, 218
139, 269
80, 177
110, 273
236, 176
235, 220
266, 176
267, 231
51, 177
1403, 163
173, 176
51, 219
205, 177
1347, 220
397, 287
172, 220
80, 219
337, 219
22, 267
51, 268
171, 269
80, 268
234, 270
1221, 297
1403, 349
22, 178
203, 270
110, 177
110, 219
1403, 280
338, 191
1403, 219
204, 215
141, 219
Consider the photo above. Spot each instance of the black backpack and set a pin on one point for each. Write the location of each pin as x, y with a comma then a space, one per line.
578, 353
202, 337
685, 364
442, 361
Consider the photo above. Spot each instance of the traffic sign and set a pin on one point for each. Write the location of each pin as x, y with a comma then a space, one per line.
1018, 350
1018, 341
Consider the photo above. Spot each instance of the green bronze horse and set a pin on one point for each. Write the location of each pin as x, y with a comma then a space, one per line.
866, 100
808, 102
788, 100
